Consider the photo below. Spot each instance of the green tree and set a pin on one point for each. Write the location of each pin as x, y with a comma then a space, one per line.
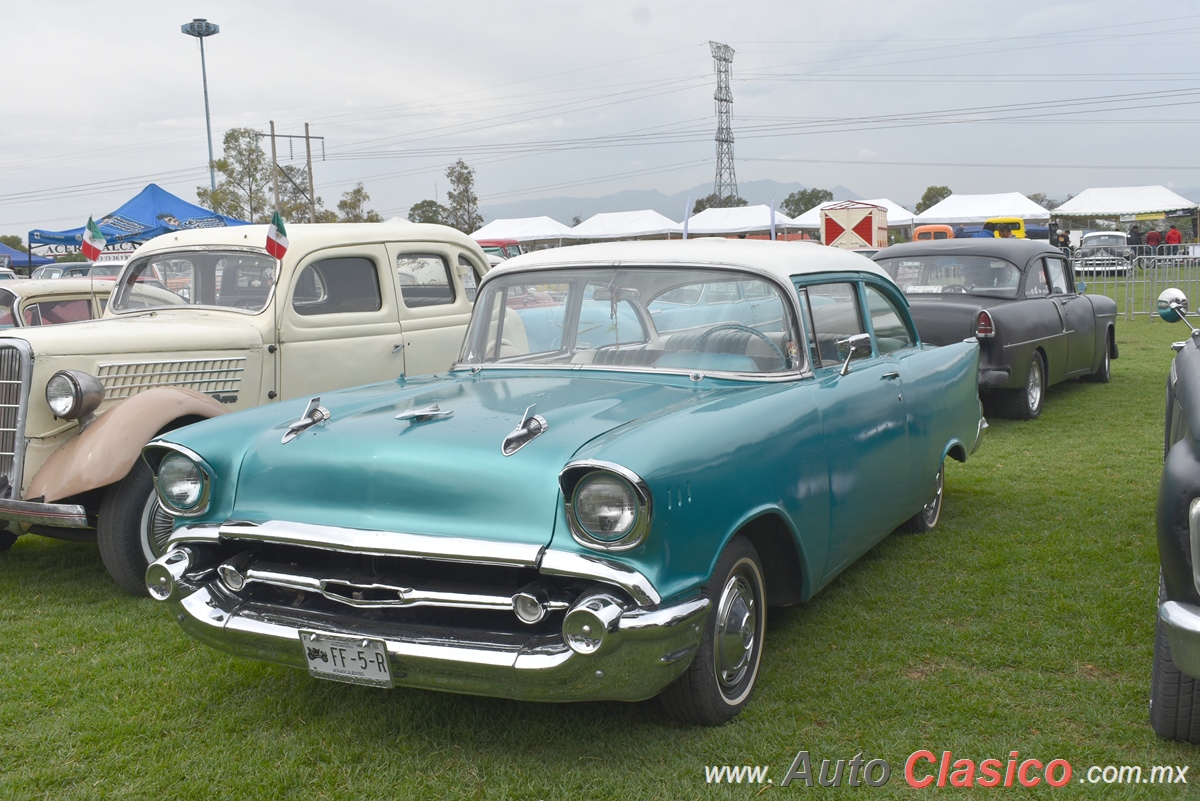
713, 201
244, 185
427, 211
14, 241
351, 206
797, 203
462, 206
933, 196
1045, 202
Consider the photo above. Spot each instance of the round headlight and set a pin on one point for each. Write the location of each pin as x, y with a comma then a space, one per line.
180, 482
605, 507
72, 394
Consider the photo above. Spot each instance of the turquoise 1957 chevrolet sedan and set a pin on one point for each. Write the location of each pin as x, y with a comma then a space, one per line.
640, 448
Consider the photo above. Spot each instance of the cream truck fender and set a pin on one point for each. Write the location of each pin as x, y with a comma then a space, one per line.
107, 449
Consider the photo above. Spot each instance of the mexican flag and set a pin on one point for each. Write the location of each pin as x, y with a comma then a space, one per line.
277, 243
93, 241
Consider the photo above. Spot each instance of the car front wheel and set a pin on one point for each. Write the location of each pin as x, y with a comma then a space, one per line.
721, 677
133, 528
1174, 696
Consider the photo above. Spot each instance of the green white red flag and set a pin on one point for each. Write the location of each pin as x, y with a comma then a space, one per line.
93, 241
277, 242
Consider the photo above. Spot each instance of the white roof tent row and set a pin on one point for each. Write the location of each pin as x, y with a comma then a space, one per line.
644, 224
976, 209
897, 215
525, 229
627, 225
737, 220
1129, 202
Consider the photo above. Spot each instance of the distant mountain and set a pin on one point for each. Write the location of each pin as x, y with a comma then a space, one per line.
1191, 194
565, 209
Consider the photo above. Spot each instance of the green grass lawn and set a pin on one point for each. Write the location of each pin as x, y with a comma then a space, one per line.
1024, 622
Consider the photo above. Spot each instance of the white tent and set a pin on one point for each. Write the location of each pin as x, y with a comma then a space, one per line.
737, 220
976, 209
1124, 200
626, 225
524, 229
897, 215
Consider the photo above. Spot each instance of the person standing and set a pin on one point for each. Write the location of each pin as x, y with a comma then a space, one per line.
1173, 239
1153, 240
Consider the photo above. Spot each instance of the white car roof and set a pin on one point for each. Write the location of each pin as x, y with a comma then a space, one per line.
307, 237
781, 259
59, 286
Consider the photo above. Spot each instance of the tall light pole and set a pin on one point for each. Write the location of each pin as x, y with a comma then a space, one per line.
201, 28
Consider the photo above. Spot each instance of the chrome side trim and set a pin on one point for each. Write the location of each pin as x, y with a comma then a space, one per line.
382, 543
61, 515
578, 565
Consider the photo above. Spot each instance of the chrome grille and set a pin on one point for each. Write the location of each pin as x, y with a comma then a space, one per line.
14, 399
123, 379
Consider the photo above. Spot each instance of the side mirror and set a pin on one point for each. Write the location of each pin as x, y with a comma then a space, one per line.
1173, 305
849, 346
1081, 287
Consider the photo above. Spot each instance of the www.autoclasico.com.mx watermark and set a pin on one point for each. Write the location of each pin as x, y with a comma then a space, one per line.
925, 768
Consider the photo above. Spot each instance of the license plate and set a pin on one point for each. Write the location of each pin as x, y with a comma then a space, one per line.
354, 660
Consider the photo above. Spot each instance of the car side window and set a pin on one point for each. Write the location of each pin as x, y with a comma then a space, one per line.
424, 280
835, 316
891, 332
1036, 285
49, 312
466, 274
1057, 270
337, 286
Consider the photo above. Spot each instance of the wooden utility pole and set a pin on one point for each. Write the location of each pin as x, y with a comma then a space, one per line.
274, 167
312, 195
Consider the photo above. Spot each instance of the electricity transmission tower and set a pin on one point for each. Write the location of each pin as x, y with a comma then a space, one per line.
725, 187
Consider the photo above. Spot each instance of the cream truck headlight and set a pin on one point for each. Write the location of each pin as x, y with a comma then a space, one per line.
73, 394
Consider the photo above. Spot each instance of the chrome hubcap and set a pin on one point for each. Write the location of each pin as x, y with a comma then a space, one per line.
934, 507
1035, 384
156, 527
736, 633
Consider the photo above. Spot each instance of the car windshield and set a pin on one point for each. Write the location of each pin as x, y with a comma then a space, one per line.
948, 274
642, 318
222, 278
1104, 239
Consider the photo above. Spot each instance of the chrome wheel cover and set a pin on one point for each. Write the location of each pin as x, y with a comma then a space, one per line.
1034, 389
933, 510
735, 637
154, 528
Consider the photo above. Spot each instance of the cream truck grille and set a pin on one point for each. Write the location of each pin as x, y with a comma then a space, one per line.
123, 379
15, 359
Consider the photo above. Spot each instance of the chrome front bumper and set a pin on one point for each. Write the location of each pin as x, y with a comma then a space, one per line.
631, 649
62, 515
1182, 622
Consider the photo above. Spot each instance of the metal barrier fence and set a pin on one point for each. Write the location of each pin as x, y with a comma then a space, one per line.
1135, 280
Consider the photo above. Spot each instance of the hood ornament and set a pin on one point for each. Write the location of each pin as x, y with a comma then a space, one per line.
532, 426
431, 412
313, 414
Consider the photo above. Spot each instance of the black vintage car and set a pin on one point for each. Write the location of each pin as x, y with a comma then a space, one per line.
1019, 299
1175, 679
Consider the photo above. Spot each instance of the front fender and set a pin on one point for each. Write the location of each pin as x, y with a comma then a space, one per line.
106, 450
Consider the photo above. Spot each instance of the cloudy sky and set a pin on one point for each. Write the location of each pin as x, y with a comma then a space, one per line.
551, 98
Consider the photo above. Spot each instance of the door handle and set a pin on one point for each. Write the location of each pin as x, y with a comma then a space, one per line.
894, 374
397, 347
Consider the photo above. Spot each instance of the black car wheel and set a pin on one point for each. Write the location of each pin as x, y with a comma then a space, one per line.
1026, 403
721, 677
133, 528
1103, 373
1174, 696
927, 518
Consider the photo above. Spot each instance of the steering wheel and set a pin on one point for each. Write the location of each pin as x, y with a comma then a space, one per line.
955, 288
698, 345
253, 304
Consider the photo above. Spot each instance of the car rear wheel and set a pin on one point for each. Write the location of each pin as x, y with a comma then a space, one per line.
931, 512
721, 677
1026, 403
1174, 696
1103, 373
133, 528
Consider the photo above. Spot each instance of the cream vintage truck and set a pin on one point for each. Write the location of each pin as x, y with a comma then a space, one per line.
201, 323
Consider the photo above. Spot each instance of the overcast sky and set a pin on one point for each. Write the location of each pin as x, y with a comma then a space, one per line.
585, 99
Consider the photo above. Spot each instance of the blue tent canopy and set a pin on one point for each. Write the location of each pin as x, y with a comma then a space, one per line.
152, 212
22, 259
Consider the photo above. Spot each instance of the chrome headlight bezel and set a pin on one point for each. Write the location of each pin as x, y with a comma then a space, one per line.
158, 453
579, 475
84, 391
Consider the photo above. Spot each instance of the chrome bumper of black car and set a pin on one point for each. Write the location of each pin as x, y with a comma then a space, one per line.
1182, 623
994, 378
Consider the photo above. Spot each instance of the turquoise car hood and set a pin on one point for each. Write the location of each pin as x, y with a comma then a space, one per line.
365, 469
